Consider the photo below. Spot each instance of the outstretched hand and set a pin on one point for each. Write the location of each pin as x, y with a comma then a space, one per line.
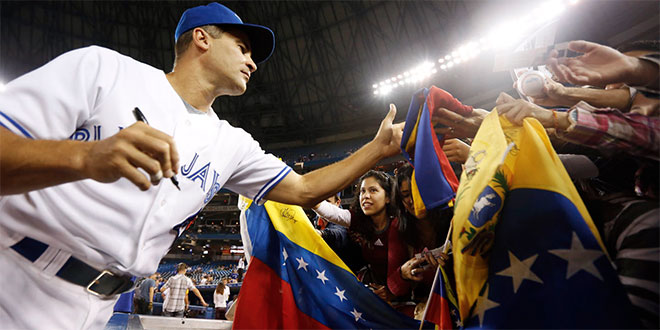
516, 110
456, 150
599, 65
389, 134
458, 126
554, 95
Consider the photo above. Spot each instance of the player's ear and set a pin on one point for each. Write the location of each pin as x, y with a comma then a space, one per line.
201, 39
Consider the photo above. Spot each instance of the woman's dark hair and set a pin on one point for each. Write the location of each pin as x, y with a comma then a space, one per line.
362, 227
220, 288
440, 218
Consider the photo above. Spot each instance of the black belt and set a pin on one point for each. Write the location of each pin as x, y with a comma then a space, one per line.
101, 283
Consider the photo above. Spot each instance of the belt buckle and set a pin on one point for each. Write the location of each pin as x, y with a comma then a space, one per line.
96, 280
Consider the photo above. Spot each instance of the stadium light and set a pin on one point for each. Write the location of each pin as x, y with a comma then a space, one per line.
501, 37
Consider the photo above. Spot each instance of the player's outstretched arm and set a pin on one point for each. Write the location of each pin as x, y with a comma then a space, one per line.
309, 189
27, 164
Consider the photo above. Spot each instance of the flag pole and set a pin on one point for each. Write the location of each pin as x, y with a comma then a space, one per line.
446, 245
435, 278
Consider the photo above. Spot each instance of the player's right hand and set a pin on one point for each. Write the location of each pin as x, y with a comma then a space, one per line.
389, 135
137, 146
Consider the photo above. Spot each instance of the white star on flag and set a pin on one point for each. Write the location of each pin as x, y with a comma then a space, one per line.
579, 258
520, 270
301, 263
321, 276
357, 314
286, 255
340, 294
484, 304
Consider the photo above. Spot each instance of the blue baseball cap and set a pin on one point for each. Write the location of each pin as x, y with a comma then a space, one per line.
262, 39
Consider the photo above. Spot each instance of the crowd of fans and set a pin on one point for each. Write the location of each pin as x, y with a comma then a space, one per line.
603, 104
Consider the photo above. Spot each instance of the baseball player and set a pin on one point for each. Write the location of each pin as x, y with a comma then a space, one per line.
90, 145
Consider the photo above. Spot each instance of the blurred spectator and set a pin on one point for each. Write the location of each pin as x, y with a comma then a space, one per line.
179, 285
220, 296
240, 268
144, 295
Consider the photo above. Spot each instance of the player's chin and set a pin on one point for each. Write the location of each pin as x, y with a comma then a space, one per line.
236, 89
239, 88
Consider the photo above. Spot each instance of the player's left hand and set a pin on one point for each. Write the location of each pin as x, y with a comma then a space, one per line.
389, 135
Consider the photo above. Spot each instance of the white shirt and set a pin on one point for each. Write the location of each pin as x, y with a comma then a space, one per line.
220, 300
89, 94
334, 214
166, 295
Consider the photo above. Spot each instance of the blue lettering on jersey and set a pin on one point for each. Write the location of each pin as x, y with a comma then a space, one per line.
215, 187
185, 170
81, 134
201, 174
97, 133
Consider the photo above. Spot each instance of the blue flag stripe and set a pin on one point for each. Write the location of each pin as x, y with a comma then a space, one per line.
546, 231
433, 196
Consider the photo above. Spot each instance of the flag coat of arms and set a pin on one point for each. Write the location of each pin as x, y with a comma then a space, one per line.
295, 280
526, 251
433, 182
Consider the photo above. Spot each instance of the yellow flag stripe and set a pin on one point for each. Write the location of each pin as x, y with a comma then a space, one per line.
413, 135
535, 138
291, 221
418, 203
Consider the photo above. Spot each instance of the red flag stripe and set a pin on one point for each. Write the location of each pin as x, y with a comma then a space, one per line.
273, 298
438, 312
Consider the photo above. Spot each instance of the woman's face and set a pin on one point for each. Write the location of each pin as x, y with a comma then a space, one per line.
372, 197
406, 196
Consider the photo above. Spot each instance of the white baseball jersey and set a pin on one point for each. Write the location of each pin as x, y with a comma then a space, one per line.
89, 94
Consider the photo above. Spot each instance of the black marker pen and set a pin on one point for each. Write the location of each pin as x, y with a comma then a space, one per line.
139, 116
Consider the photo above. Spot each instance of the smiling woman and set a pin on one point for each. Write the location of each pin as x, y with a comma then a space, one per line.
373, 223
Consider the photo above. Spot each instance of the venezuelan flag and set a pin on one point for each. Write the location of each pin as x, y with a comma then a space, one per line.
295, 280
442, 308
433, 182
526, 252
